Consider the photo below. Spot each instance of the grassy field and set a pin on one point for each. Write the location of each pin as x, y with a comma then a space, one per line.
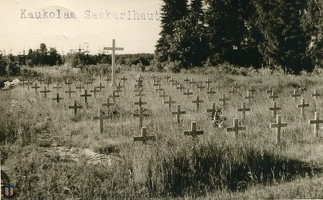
50, 153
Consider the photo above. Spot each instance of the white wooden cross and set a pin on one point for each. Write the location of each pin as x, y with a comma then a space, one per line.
249, 97
108, 104
274, 109
100, 87
186, 80
169, 102
140, 115
208, 83
180, 87
178, 113
140, 94
252, 90
140, 102
211, 110
85, 95
193, 132
45, 92
163, 95
69, 91
188, 93
279, 124
144, 137
210, 91
273, 96
200, 86
94, 91
36, 87
101, 117
270, 90
233, 90
57, 87
243, 110
317, 121
75, 107
114, 95
235, 127
57, 98
113, 49
303, 105
295, 95
197, 101
315, 94
224, 100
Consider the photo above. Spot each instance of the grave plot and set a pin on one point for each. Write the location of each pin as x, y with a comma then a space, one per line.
166, 122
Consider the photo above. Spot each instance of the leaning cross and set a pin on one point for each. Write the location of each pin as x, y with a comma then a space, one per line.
235, 127
101, 117
75, 107
274, 109
113, 49
45, 92
243, 110
316, 122
278, 125
144, 137
193, 132
178, 113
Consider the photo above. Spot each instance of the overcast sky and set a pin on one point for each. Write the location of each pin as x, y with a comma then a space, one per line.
65, 25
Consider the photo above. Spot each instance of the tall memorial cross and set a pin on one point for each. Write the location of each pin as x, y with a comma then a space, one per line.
45, 91
279, 124
75, 107
178, 113
295, 95
113, 49
236, 128
141, 115
193, 132
303, 105
101, 117
317, 121
243, 110
144, 137
274, 109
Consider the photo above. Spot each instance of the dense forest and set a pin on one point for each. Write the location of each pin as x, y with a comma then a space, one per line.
253, 33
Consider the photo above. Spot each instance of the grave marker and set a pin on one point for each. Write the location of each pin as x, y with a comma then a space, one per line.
108, 104
193, 132
94, 91
68, 83
180, 87
186, 80
169, 102
123, 78
208, 82
85, 95
278, 125
36, 87
211, 110
144, 137
114, 95
188, 93
69, 91
197, 101
243, 110
315, 94
224, 100
114, 49
249, 97
79, 87
57, 87
140, 115
158, 89
273, 96
48, 82
236, 128
317, 121
140, 102
178, 113
303, 105
100, 87
45, 92
252, 90
101, 117
139, 94
167, 78
270, 90
163, 95
57, 98
295, 95
75, 107
200, 86
274, 109
210, 91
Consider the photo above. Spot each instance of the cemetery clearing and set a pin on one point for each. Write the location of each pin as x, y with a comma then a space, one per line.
148, 137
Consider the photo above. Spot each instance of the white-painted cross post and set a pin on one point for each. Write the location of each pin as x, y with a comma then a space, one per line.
243, 110
101, 117
193, 132
235, 127
317, 121
178, 113
278, 125
113, 49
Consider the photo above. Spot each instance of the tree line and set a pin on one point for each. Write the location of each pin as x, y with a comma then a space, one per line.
242, 32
